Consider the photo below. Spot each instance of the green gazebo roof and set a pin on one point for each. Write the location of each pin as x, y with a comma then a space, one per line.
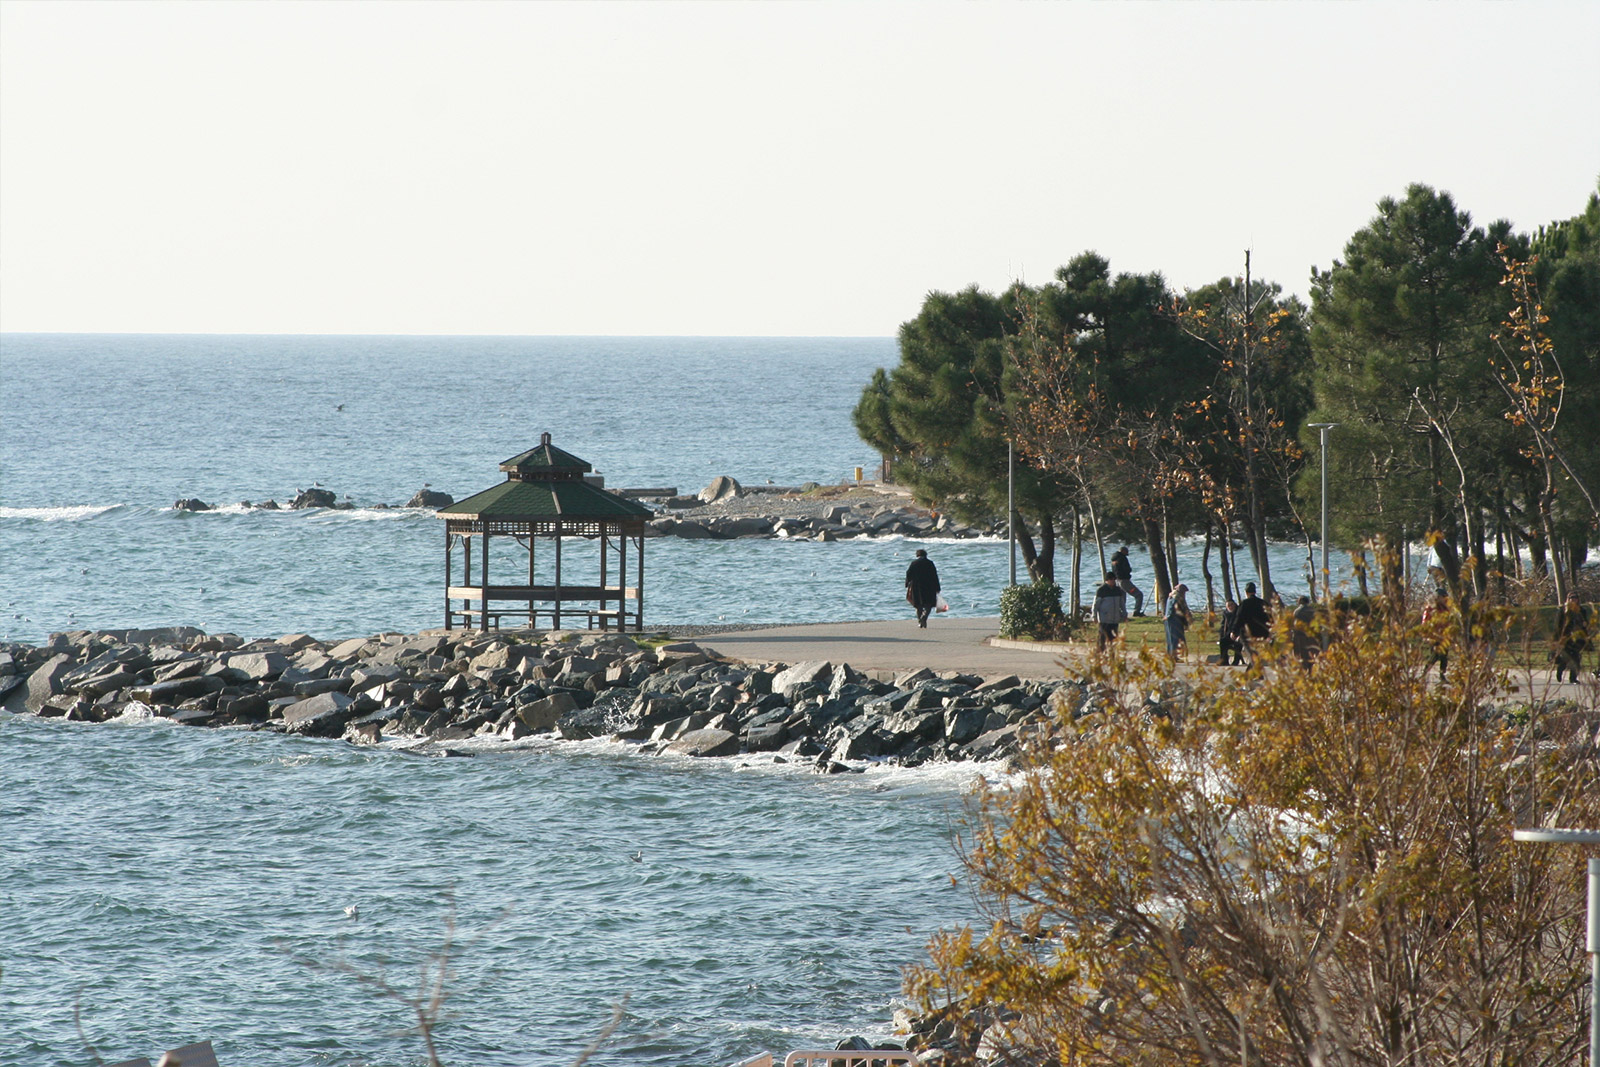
546, 483
513, 499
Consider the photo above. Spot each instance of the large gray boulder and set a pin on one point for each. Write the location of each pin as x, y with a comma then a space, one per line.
691, 531
43, 683
190, 503
323, 715
177, 690
748, 526
706, 742
541, 716
722, 487
803, 679
963, 724
259, 666
427, 498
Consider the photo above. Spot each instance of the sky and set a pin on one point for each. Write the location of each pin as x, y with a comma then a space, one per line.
737, 168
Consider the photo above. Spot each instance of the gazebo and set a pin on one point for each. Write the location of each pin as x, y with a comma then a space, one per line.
545, 496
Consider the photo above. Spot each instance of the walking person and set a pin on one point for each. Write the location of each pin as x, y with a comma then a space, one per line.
1441, 645
922, 586
1304, 641
1228, 639
1124, 574
1572, 637
1254, 623
1110, 609
1175, 616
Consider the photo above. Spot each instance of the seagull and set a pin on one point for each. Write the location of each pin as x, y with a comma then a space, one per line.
637, 857
352, 911
338, 407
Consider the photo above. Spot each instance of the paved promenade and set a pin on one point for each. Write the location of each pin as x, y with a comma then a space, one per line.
947, 644
960, 644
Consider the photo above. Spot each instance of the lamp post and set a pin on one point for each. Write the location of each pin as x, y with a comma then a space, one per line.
1592, 935
1011, 506
1323, 428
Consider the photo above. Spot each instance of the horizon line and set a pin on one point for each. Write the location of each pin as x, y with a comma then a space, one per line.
354, 333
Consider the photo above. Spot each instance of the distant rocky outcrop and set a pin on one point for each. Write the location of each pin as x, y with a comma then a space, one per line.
313, 498
190, 503
428, 498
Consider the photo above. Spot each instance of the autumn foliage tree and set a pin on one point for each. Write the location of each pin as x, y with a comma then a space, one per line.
1308, 867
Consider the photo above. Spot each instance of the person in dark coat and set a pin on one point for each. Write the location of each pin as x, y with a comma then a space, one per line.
1110, 609
922, 586
1253, 620
1228, 640
1572, 637
1124, 572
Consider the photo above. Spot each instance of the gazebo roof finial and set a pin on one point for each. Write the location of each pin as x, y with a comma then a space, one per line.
545, 462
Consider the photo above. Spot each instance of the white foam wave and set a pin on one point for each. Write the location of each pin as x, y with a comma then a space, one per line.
136, 711
318, 514
67, 514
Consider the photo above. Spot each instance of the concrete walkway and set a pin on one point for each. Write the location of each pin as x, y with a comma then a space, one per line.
960, 644
946, 645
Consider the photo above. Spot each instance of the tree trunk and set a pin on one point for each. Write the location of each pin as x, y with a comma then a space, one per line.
1205, 571
1257, 540
1450, 562
1480, 572
1170, 540
1553, 544
1047, 549
1536, 554
1230, 576
1158, 559
1358, 561
1077, 562
1099, 541
1030, 554
1392, 569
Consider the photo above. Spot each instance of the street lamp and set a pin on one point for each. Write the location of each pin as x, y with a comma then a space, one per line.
1323, 428
1592, 936
1011, 506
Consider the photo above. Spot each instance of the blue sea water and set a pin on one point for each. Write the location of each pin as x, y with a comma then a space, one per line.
102, 433
169, 884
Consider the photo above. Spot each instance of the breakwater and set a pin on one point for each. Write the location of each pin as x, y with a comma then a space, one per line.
441, 687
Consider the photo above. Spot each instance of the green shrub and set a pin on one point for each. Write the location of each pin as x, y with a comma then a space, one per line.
1033, 611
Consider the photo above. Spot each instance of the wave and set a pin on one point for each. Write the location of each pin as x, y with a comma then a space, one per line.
74, 513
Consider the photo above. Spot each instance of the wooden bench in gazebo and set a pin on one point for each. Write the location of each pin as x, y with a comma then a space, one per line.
545, 497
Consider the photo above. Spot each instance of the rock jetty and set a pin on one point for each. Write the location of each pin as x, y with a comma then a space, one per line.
725, 509
446, 686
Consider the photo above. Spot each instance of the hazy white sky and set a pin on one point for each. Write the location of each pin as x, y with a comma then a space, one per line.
736, 168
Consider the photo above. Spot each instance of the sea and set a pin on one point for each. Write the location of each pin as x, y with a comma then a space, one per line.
295, 900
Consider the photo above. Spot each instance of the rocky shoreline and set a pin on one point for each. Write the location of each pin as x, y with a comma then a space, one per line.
722, 511
438, 687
